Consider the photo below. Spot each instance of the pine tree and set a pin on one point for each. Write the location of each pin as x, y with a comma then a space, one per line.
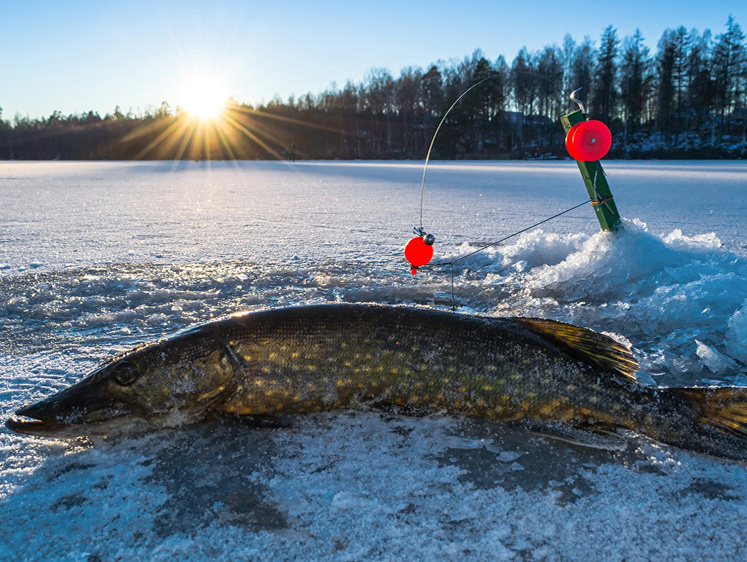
379, 100
681, 41
550, 82
728, 71
567, 53
488, 97
523, 82
433, 93
582, 70
699, 84
408, 97
605, 92
665, 60
634, 89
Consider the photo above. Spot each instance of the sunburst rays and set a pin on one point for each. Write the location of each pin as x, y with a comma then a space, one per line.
236, 132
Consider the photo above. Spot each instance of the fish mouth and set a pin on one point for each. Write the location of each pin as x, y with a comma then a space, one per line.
58, 415
35, 427
100, 422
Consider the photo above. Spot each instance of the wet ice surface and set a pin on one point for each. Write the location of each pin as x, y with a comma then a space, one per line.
97, 257
352, 486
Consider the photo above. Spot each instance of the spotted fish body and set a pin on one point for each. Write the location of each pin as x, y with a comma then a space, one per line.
324, 357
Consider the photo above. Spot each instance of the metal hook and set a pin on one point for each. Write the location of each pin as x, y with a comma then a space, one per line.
580, 105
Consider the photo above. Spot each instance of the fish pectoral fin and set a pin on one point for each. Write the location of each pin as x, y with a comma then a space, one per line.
213, 397
583, 437
585, 345
233, 358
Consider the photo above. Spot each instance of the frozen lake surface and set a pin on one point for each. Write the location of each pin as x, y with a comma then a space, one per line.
98, 257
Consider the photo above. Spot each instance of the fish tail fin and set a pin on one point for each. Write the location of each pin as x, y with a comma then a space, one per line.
718, 425
585, 345
723, 408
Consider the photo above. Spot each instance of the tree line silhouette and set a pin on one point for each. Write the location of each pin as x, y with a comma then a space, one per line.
686, 100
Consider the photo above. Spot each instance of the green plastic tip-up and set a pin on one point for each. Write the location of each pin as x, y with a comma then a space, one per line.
596, 182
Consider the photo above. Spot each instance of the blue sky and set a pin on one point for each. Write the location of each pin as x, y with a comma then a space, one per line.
76, 56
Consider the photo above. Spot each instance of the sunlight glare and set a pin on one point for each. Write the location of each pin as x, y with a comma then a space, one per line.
203, 97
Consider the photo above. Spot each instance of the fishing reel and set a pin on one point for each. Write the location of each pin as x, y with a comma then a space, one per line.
589, 140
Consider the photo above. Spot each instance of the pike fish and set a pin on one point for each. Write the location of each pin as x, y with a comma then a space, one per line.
333, 356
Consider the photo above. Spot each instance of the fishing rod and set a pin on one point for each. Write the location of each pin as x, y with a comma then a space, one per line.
587, 142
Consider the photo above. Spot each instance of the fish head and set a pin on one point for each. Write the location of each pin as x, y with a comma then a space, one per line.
162, 384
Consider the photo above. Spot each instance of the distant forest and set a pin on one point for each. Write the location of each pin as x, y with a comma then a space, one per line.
686, 100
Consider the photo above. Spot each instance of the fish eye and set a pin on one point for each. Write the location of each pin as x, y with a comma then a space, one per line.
125, 373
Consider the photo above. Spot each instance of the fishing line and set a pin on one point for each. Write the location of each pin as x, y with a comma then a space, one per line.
443, 120
433, 140
535, 225
452, 263
429, 239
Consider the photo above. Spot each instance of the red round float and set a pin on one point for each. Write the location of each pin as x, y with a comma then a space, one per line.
588, 141
418, 253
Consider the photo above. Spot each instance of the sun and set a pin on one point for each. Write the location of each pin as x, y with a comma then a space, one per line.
203, 96
209, 124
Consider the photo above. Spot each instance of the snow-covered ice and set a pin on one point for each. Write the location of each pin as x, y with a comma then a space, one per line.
97, 257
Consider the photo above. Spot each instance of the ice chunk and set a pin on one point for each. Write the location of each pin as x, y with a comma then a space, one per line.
508, 456
715, 362
737, 333
347, 500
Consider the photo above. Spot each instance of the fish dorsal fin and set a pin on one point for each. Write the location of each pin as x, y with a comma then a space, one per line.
585, 345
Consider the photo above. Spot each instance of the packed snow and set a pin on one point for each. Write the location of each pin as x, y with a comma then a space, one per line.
98, 257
